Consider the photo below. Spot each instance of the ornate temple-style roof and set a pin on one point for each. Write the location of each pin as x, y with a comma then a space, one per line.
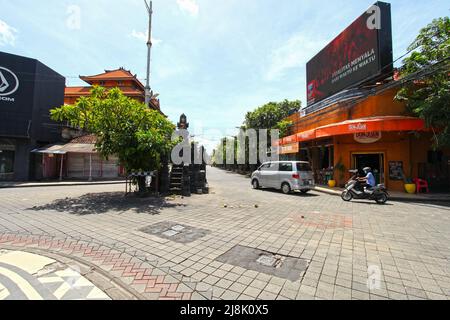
118, 74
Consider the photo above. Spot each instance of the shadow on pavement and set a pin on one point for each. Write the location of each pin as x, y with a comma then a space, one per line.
370, 202
293, 194
98, 203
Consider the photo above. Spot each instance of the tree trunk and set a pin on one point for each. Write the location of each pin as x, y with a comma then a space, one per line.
142, 187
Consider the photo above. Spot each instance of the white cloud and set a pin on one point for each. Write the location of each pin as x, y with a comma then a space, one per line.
143, 36
7, 34
189, 6
295, 53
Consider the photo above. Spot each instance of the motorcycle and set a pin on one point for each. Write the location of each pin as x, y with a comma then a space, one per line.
354, 190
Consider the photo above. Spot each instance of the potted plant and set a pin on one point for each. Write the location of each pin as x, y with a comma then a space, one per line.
332, 183
410, 186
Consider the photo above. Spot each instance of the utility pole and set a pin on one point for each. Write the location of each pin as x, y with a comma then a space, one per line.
149, 46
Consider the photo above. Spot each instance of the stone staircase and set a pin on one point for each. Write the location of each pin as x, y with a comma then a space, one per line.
176, 179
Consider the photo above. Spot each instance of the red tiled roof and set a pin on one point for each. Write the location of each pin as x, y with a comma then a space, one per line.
77, 90
86, 139
85, 91
118, 74
111, 75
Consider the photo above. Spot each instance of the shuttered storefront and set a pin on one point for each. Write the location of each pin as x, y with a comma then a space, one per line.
78, 166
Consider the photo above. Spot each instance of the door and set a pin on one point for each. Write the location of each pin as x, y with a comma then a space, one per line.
264, 175
373, 160
285, 173
272, 176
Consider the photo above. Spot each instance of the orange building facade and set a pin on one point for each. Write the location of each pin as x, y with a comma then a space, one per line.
377, 132
123, 79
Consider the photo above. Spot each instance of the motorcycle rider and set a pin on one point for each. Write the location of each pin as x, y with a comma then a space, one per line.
369, 180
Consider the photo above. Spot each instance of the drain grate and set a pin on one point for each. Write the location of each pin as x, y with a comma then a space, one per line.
285, 267
175, 232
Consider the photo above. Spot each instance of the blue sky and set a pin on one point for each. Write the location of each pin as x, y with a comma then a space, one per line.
212, 59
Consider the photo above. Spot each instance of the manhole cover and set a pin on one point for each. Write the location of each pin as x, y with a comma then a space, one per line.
285, 267
178, 228
170, 233
268, 261
175, 232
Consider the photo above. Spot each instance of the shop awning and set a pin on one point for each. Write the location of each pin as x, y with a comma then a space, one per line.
50, 149
79, 148
66, 148
380, 124
299, 137
306, 135
383, 124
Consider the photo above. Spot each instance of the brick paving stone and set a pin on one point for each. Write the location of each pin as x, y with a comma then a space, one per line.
267, 296
224, 284
407, 241
258, 284
252, 292
307, 290
245, 280
237, 287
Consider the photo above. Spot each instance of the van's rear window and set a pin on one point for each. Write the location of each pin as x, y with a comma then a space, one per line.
303, 167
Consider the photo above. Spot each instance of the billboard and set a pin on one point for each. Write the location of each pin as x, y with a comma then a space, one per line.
360, 53
28, 90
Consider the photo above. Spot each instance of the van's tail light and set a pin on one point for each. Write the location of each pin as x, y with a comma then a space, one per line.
296, 176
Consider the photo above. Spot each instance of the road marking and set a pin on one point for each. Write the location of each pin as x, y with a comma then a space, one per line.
23, 285
4, 293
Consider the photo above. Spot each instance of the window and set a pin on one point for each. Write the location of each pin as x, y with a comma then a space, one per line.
286, 167
119, 83
265, 167
303, 166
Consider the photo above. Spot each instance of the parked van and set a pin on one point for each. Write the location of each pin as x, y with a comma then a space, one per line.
286, 176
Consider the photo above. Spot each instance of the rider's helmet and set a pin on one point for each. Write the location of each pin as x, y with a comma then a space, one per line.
367, 170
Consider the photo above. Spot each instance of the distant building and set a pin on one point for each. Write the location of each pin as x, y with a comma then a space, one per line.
123, 79
78, 160
28, 90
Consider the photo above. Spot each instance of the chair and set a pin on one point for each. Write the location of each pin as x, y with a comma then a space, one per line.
420, 185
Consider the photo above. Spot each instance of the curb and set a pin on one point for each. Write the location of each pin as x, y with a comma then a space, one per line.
60, 185
111, 286
391, 198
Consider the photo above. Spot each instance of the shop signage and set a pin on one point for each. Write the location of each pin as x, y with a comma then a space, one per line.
357, 127
9, 83
368, 137
290, 148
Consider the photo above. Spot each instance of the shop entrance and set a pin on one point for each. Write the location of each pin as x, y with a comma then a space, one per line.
372, 160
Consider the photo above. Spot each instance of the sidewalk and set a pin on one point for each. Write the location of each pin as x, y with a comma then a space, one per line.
68, 183
395, 195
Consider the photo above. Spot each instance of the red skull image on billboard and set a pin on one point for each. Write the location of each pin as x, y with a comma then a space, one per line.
361, 52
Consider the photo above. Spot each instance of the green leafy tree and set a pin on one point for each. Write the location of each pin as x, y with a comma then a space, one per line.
284, 126
429, 96
124, 127
271, 114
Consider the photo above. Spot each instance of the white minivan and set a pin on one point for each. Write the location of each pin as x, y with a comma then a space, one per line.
286, 176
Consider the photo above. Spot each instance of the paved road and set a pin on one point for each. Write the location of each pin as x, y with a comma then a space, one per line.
401, 248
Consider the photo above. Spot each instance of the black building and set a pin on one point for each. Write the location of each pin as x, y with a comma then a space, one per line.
28, 90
